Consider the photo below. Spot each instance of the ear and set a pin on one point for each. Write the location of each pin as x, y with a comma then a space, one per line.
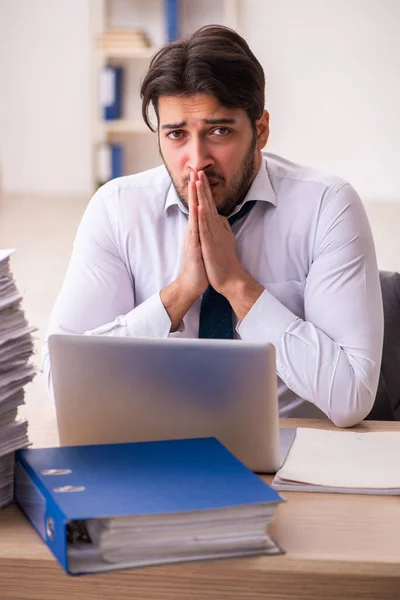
262, 126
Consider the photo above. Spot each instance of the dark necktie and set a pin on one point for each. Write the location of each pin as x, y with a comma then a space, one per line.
215, 311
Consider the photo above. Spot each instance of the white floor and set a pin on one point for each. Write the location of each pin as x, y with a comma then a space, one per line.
42, 231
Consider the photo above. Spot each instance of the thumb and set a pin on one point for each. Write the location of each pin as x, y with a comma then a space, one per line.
225, 223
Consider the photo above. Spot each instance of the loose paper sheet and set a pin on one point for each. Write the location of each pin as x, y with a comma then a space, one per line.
344, 459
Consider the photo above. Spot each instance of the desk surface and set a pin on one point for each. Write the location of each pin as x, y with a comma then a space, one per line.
337, 546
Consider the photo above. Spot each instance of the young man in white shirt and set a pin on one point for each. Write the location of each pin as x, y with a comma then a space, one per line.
298, 270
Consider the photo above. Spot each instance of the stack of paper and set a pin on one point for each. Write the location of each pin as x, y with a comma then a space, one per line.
349, 462
233, 531
16, 348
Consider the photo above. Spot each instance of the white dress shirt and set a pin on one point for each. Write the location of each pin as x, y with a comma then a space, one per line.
307, 241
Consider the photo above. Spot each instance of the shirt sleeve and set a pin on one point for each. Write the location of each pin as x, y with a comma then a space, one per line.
331, 358
97, 296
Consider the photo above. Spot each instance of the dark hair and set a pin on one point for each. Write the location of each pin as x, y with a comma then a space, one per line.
215, 60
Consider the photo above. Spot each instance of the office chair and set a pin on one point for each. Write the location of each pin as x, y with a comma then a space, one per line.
387, 401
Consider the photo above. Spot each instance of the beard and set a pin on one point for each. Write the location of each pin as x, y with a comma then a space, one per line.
237, 187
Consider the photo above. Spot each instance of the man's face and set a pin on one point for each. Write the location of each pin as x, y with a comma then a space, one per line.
198, 133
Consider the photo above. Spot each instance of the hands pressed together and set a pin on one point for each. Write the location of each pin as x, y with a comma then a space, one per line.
210, 250
210, 258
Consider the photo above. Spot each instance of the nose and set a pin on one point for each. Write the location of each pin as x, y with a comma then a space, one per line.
199, 158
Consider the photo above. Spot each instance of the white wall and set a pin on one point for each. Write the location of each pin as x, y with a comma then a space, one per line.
333, 90
333, 85
44, 96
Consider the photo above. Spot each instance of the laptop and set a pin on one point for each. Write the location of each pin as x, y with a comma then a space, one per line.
114, 389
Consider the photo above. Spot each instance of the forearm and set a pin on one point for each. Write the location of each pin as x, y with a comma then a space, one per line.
148, 319
176, 301
341, 380
242, 293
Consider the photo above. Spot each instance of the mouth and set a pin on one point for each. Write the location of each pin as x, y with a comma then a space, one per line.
213, 181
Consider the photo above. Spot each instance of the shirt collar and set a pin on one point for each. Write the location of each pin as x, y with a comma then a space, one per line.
260, 190
173, 199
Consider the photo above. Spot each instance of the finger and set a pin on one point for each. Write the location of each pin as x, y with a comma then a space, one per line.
199, 194
192, 192
193, 225
208, 214
204, 193
203, 208
225, 223
208, 193
206, 219
192, 203
204, 230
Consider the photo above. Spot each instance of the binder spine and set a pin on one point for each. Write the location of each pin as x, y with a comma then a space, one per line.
116, 160
111, 82
110, 162
42, 512
172, 20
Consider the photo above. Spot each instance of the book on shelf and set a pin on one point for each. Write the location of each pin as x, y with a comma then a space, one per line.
16, 349
113, 40
110, 162
171, 8
100, 508
111, 84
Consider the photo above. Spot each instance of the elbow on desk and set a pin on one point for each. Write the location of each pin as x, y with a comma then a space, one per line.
346, 421
358, 408
353, 392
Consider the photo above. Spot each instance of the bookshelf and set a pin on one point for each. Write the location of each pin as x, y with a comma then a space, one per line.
125, 34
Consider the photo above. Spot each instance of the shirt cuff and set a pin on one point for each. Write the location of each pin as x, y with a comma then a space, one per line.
178, 331
149, 319
266, 321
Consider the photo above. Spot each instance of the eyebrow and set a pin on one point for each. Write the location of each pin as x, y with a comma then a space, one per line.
221, 121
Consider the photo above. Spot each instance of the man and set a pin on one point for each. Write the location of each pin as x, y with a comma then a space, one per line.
155, 254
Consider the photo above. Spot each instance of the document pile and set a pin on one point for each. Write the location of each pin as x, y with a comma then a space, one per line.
16, 348
346, 462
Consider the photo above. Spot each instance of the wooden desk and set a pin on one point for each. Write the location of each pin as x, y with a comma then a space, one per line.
338, 546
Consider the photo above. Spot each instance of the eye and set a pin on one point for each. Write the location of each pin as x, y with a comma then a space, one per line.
175, 135
222, 131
